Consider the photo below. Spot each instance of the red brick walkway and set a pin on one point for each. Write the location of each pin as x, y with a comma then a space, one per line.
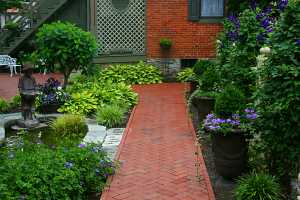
9, 85
157, 153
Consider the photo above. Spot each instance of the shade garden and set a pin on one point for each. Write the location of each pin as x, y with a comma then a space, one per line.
246, 103
253, 83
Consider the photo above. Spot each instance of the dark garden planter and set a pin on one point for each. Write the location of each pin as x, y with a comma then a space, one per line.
51, 108
204, 105
230, 153
193, 86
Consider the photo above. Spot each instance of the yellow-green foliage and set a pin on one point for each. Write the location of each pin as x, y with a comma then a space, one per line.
70, 127
111, 116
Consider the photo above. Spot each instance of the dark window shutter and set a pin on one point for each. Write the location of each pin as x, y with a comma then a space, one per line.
194, 10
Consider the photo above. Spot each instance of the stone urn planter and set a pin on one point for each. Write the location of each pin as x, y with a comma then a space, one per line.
230, 153
204, 106
50, 108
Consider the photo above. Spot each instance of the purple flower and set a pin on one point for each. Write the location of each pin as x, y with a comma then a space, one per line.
233, 35
282, 4
298, 42
269, 29
251, 116
235, 21
265, 23
253, 5
213, 128
69, 165
82, 145
260, 16
267, 10
249, 110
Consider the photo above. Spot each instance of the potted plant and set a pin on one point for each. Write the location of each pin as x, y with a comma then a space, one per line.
203, 99
165, 43
188, 75
229, 126
51, 97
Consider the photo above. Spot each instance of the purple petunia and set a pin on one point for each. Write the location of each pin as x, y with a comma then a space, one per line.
69, 165
266, 22
298, 42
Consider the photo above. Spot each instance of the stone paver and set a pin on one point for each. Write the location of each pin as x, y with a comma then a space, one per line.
157, 155
9, 85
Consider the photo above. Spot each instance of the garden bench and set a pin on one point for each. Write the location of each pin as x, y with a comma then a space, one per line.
7, 61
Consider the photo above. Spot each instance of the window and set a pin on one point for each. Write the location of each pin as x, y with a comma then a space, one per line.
212, 8
205, 9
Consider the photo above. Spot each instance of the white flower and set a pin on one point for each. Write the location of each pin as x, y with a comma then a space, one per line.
59, 88
265, 50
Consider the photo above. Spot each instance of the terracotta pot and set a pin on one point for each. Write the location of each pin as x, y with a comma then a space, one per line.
230, 153
204, 105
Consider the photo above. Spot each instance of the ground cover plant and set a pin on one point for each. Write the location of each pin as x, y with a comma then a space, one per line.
186, 75
9, 106
36, 171
140, 73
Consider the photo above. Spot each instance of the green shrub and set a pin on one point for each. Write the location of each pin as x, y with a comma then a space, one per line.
13, 26
65, 44
257, 186
278, 97
71, 127
4, 106
229, 102
82, 103
39, 172
15, 101
186, 75
140, 73
201, 66
165, 43
111, 116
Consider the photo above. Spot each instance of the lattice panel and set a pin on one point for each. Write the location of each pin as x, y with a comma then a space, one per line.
121, 30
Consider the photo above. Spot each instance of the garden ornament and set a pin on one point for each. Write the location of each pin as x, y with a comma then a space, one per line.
28, 91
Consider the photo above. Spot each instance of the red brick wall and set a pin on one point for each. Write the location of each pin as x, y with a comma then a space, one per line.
169, 19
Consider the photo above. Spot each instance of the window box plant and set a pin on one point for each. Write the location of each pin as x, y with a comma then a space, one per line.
229, 126
165, 43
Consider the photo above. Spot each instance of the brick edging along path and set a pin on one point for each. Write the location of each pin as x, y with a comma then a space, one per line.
158, 155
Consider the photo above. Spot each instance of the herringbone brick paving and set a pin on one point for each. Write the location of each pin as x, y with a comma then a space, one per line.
157, 153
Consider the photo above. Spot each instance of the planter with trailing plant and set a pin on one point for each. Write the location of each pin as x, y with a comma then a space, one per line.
52, 97
165, 44
229, 127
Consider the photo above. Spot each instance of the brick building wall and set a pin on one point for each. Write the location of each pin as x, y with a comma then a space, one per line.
169, 19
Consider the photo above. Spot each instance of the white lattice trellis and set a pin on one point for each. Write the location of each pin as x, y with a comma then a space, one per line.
121, 30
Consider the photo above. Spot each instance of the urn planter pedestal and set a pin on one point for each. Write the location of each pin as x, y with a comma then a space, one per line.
230, 153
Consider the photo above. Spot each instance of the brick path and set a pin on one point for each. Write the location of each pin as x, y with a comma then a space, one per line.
9, 85
157, 153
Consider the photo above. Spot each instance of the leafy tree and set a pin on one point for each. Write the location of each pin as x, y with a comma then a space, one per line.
67, 45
